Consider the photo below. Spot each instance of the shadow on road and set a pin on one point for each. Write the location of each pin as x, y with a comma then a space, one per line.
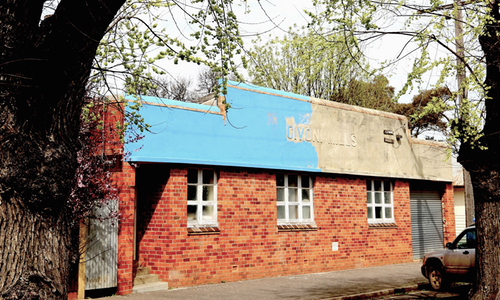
454, 292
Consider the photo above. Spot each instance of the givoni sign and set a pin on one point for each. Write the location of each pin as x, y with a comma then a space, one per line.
303, 132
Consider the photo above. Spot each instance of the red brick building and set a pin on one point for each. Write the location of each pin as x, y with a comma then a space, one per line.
290, 185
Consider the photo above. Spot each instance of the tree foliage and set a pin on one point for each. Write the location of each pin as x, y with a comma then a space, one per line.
145, 33
181, 88
454, 40
209, 80
330, 68
175, 89
54, 56
422, 119
320, 65
93, 186
424, 28
375, 93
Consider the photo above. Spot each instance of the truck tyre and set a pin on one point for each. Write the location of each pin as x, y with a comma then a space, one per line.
437, 278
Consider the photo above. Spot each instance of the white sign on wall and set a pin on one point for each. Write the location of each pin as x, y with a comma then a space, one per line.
335, 246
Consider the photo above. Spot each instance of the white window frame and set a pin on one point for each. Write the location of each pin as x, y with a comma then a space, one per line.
286, 203
386, 202
201, 203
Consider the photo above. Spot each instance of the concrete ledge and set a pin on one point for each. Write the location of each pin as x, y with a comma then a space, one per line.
150, 287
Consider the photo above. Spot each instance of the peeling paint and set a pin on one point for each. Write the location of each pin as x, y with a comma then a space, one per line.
271, 119
303, 132
221, 104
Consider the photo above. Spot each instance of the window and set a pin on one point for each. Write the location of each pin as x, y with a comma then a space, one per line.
202, 197
379, 199
467, 240
294, 198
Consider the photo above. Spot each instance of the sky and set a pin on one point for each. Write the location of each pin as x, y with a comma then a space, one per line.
271, 17
274, 17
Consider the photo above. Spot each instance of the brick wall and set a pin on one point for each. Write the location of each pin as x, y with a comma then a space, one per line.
249, 244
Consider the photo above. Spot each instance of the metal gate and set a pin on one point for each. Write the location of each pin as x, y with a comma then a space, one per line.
426, 222
102, 250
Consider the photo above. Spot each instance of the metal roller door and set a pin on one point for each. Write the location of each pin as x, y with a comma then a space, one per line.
426, 222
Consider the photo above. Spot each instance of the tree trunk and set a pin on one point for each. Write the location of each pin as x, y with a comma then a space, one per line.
36, 253
44, 68
35, 222
487, 207
487, 255
37, 168
484, 168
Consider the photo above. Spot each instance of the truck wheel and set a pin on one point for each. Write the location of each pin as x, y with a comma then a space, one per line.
436, 278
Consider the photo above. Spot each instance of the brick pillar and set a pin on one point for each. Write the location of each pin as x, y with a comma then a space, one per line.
449, 230
126, 183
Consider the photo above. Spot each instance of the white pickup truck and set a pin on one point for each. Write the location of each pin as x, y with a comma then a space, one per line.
455, 263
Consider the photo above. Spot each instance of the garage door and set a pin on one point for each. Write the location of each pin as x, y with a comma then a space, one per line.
426, 222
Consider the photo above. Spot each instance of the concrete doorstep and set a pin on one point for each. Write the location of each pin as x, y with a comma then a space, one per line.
145, 282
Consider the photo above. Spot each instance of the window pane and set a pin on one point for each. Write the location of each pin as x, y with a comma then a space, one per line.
281, 212
293, 212
387, 197
305, 196
208, 212
293, 195
202, 186
379, 200
191, 192
462, 243
192, 176
191, 213
208, 193
280, 193
305, 181
388, 213
370, 212
471, 239
306, 212
387, 186
280, 180
208, 177
290, 205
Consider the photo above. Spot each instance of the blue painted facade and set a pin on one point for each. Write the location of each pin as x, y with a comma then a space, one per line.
255, 135
272, 129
